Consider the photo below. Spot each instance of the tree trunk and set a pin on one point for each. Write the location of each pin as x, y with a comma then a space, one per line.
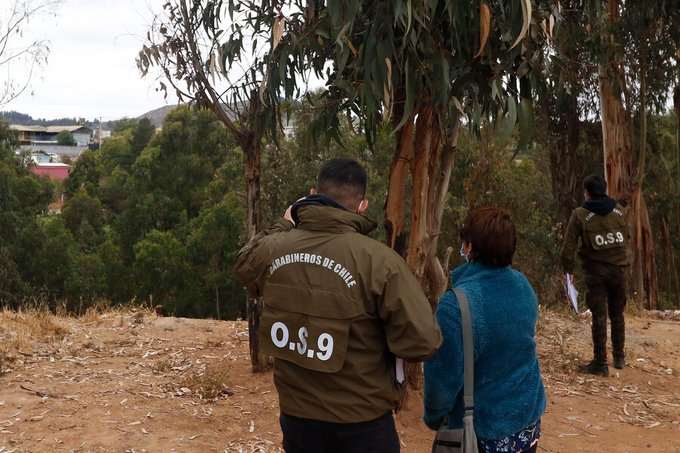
395, 203
251, 159
624, 186
436, 274
670, 277
564, 160
419, 238
644, 265
431, 163
217, 302
676, 103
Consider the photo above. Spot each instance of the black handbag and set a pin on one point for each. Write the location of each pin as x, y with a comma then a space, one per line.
461, 440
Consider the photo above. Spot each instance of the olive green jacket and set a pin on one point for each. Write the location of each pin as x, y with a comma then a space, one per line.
337, 308
603, 238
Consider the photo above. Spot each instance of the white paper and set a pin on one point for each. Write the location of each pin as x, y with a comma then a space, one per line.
572, 293
399, 369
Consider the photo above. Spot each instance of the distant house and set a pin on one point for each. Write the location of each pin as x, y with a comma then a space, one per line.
41, 157
81, 134
41, 138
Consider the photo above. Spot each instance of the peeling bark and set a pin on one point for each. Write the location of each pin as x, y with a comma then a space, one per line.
250, 144
623, 185
431, 163
395, 203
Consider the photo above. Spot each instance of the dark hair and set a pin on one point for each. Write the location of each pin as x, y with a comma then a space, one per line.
343, 180
492, 234
595, 185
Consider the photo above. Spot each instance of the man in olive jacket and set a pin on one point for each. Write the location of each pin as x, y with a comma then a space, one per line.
338, 309
603, 234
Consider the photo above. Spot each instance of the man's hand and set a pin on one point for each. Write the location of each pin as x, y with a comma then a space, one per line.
287, 215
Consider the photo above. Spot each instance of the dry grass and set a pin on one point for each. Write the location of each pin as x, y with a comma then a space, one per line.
19, 330
22, 331
208, 383
28, 330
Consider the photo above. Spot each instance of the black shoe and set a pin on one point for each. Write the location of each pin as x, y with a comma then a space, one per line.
595, 368
619, 363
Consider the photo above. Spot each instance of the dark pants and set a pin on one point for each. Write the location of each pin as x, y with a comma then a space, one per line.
606, 294
301, 435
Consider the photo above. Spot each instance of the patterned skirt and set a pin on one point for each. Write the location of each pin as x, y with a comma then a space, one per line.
514, 443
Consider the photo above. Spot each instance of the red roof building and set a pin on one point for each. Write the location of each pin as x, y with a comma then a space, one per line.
53, 170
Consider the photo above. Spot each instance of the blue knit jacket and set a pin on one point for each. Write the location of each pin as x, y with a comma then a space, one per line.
508, 390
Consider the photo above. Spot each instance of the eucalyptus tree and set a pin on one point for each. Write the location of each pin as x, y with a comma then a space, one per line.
423, 67
203, 56
634, 44
420, 66
208, 66
23, 197
567, 106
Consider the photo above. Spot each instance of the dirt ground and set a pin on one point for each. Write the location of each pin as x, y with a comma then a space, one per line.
135, 382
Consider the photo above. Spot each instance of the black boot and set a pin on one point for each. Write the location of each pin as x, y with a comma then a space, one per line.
597, 368
619, 362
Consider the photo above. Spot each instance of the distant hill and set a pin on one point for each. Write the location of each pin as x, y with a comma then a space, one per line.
14, 117
157, 116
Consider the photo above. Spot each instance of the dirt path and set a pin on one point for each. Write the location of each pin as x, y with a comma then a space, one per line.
133, 382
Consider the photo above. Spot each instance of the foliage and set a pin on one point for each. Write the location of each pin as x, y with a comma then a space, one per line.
380, 60
487, 172
65, 138
83, 216
150, 216
14, 117
160, 270
23, 198
85, 173
290, 167
663, 202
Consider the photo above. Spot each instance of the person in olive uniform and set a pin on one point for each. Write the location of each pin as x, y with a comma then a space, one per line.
601, 228
338, 309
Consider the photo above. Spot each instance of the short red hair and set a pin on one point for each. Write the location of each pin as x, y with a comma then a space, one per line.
492, 234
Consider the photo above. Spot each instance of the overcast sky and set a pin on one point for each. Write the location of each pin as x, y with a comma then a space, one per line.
91, 71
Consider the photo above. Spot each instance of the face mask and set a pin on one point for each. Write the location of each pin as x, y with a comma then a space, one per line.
462, 253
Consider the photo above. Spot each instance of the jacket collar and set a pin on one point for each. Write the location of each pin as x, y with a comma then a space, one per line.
600, 205
319, 213
472, 272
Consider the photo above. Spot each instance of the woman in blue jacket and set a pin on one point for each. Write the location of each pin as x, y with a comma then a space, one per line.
509, 397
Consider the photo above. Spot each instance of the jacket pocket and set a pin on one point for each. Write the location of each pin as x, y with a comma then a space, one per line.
307, 326
603, 238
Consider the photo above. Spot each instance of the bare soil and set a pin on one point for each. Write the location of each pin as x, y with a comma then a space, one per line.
134, 382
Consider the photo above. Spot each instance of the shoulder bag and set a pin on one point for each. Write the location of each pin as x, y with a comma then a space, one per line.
461, 440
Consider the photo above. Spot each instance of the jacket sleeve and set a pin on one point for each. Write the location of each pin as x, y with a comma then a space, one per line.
570, 243
411, 330
444, 371
253, 259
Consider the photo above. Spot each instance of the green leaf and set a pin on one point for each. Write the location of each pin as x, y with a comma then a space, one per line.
410, 94
509, 120
525, 116
523, 69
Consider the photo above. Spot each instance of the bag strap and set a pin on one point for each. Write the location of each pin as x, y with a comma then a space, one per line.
468, 351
